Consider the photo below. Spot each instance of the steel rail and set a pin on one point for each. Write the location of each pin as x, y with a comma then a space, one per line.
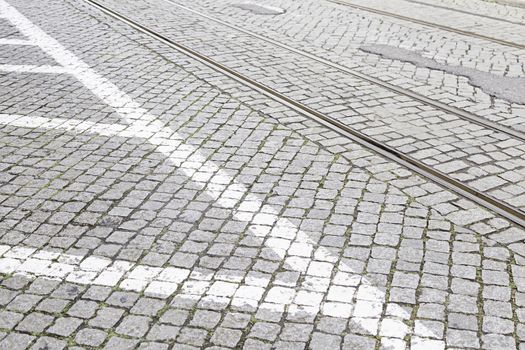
399, 90
466, 12
513, 214
430, 24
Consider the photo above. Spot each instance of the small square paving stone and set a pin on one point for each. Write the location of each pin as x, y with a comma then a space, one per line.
289, 345
6, 296
296, 332
192, 336
123, 299
64, 326
269, 314
174, 317
332, 325
9, 319
226, 337
68, 291
118, 343
155, 259
97, 293
265, 330
433, 311
16, 282
52, 305
43, 286
134, 326
180, 259
16, 341
49, 344
498, 342
163, 333
153, 346
83, 309
352, 341
184, 301
90, 337
254, 344
106, 317
403, 295
24, 302
497, 293
205, 319
497, 325
461, 321
236, 320
321, 341
427, 328
180, 346
497, 308
35, 323
147, 306
462, 339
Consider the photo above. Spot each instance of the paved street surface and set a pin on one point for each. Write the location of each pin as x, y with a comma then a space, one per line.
150, 201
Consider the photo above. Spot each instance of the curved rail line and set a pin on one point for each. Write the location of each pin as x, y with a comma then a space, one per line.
466, 12
505, 210
413, 95
430, 24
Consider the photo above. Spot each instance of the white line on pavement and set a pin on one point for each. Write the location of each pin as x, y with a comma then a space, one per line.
11, 68
164, 282
280, 235
75, 125
5, 41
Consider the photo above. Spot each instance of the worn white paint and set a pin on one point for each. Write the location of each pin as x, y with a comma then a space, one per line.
10, 68
163, 282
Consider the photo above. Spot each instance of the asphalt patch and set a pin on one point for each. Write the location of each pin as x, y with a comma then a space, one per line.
511, 89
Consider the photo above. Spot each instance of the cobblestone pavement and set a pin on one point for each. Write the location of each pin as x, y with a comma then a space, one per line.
494, 28
491, 9
337, 32
149, 202
486, 160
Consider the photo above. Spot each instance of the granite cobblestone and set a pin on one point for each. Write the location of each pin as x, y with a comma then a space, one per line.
274, 238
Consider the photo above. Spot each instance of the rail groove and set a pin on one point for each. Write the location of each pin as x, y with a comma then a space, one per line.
466, 12
399, 90
430, 24
505, 210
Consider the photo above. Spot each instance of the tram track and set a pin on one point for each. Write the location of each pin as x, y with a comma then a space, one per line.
429, 24
465, 12
399, 90
511, 213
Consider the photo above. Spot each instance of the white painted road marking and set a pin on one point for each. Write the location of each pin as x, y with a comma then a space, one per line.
5, 41
225, 192
25, 68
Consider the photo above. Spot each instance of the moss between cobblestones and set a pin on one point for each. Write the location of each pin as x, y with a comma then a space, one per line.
253, 318
479, 279
513, 291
